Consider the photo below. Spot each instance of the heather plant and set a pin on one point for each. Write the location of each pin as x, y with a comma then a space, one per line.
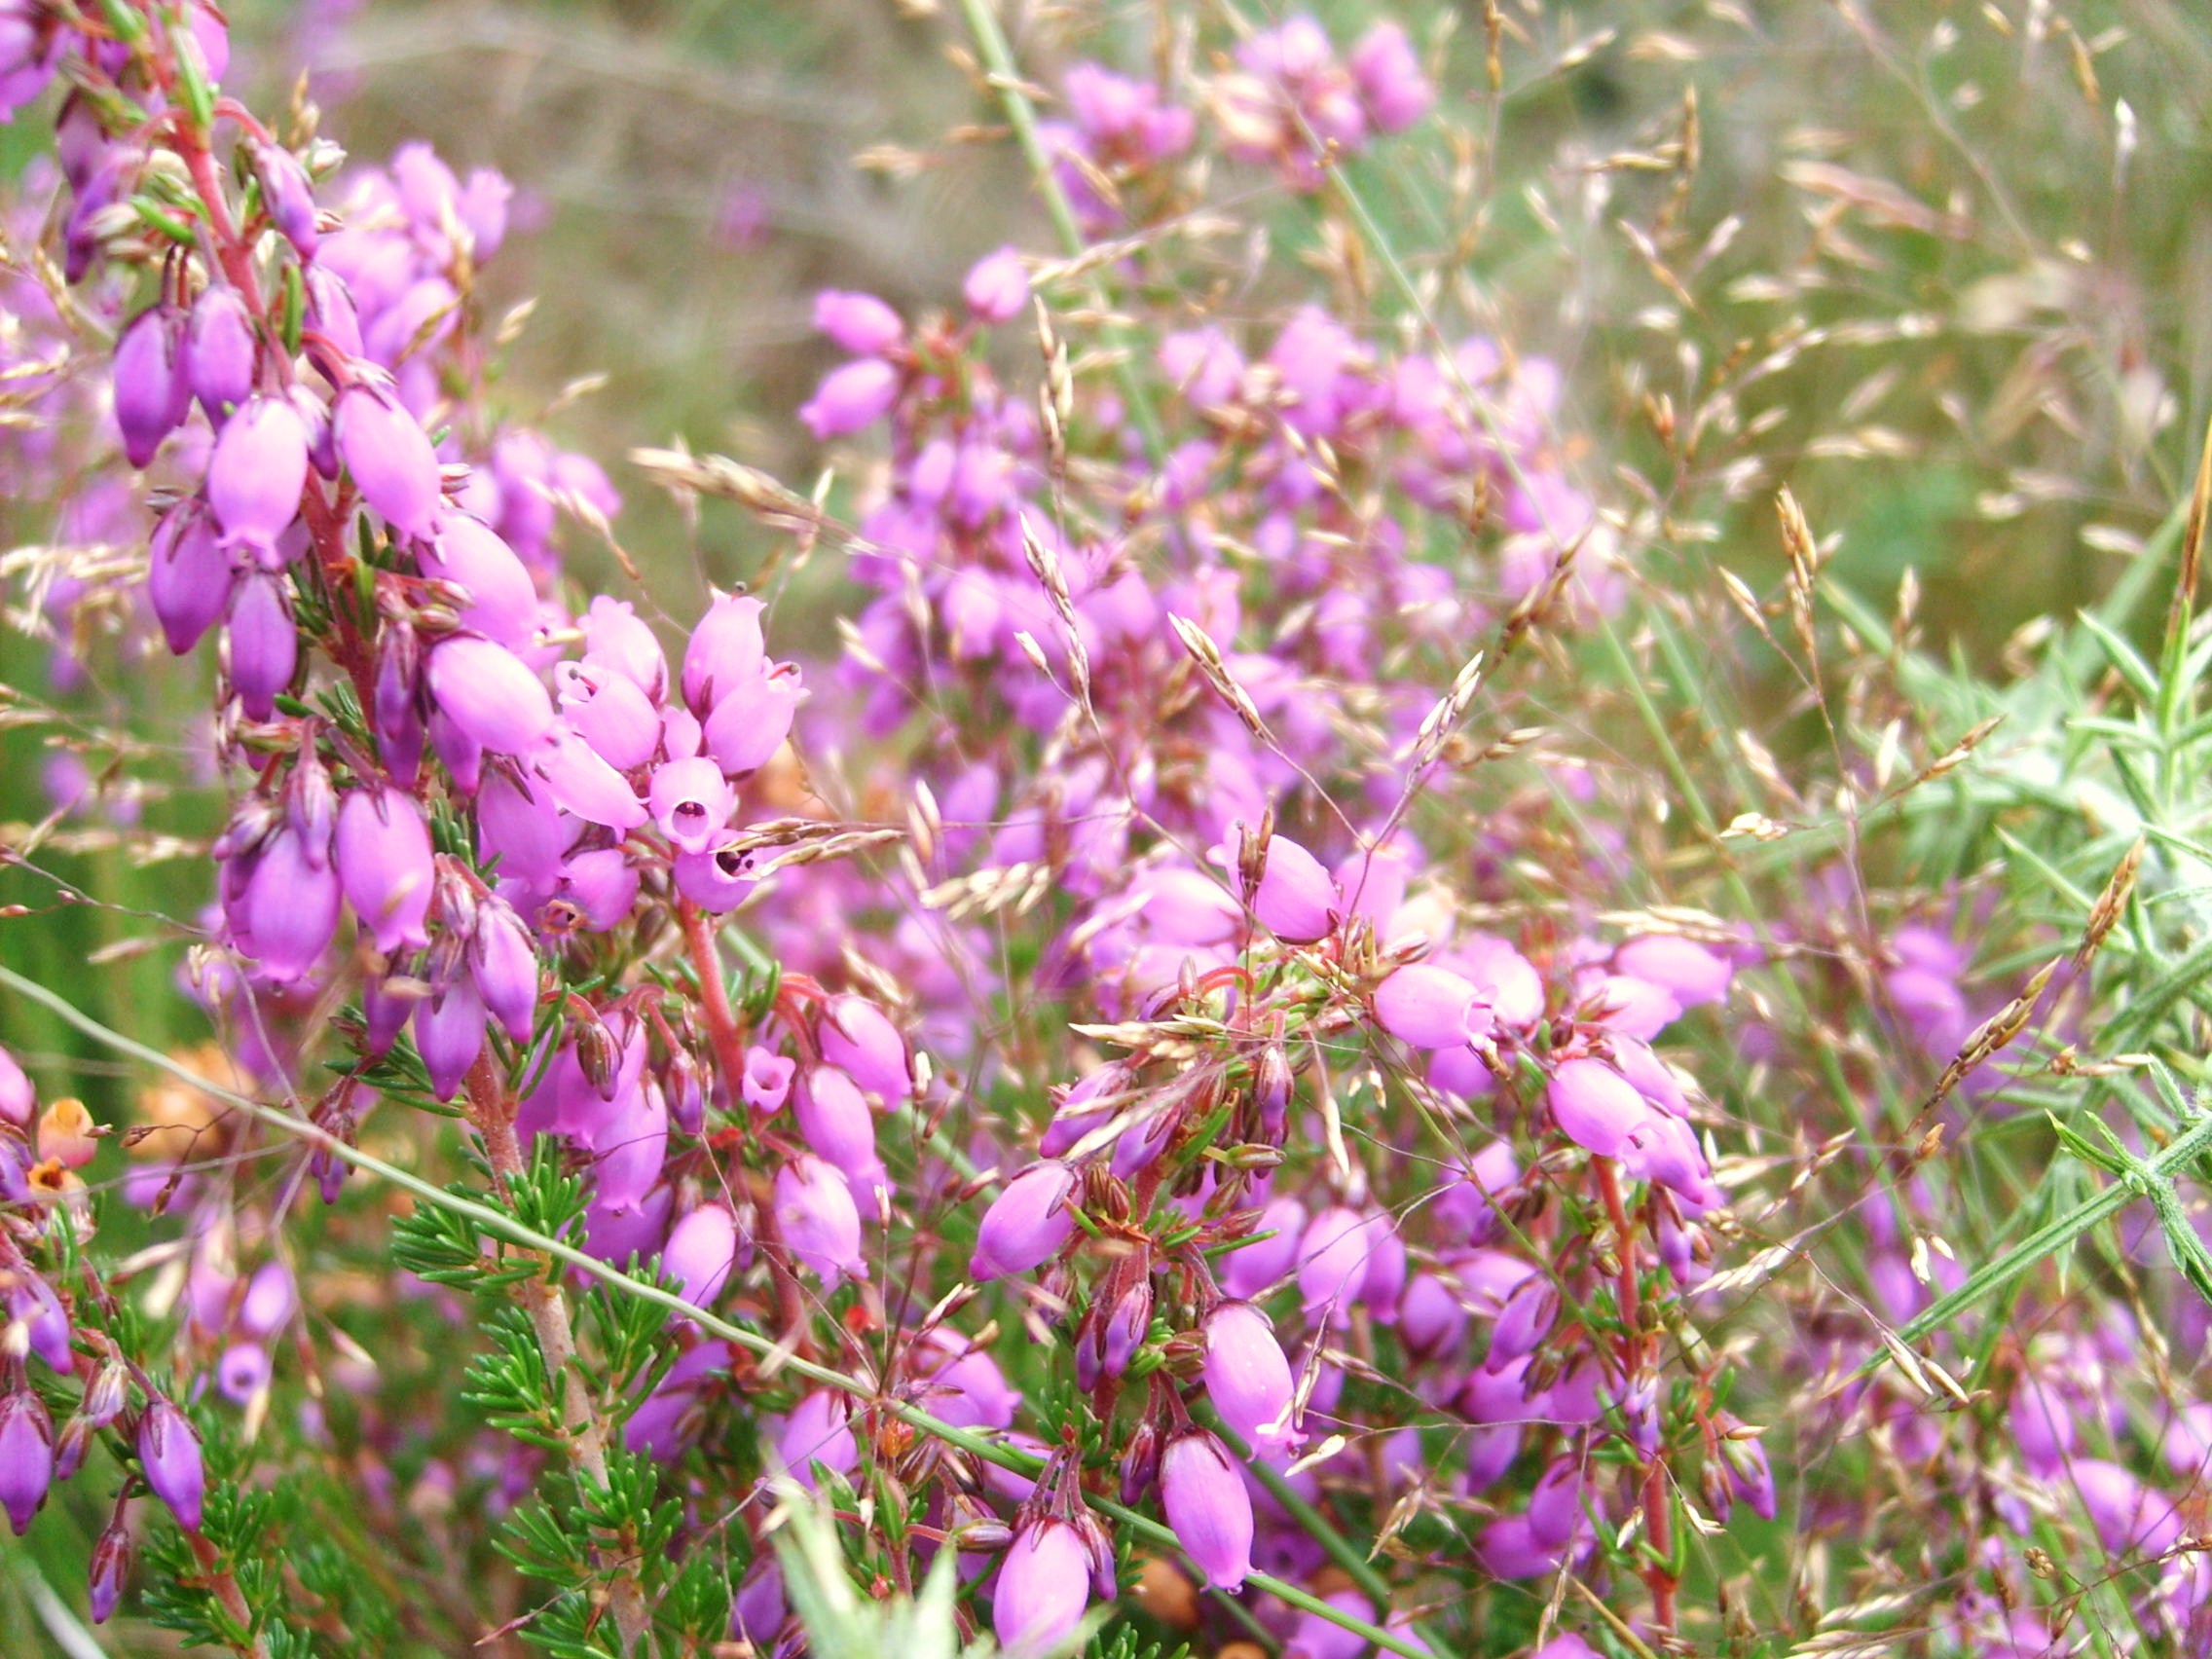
1265, 1057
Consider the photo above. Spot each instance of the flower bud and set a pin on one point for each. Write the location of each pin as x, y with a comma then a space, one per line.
617, 641
835, 1121
1209, 1507
855, 1034
110, 1568
751, 721
331, 311
996, 287
859, 323
850, 398
1428, 1007
701, 1251
1140, 1462
264, 642
287, 195
583, 784
1333, 1259
18, 1100
449, 1034
726, 652
390, 458
1113, 1332
502, 959
152, 393
398, 704
1253, 1268
601, 884
1248, 1378
256, 473
489, 694
1595, 1106
219, 352
502, 599
1693, 973
383, 863
820, 1223
168, 1455
26, 1456
1296, 900
188, 578
1026, 1224
289, 908
1043, 1586
609, 712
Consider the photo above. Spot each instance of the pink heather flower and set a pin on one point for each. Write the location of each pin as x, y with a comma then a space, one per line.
256, 473
726, 653
502, 599
152, 393
168, 1455
834, 1120
1333, 1261
1391, 84
998, 286
1317, 1637
859, 323
583, 784
1428, 1007
855, 1034
851, 396
448, 1035
767, 1079
264, 642
718, 879
820, 1225
502, 959
751, 723
489, 694
1595, 1106
110, 1567
1043, 1586
609, 711
26, 1456
288, 197
819, 1430
18, 1100
1251, 1269
384, 865
289, 906
1296, 899
601, 883
1209, 1508
389, 456
617, 641
690, 801
189, 579
701, 1251
1026, 1223
219, 352
1248, 1378
1690, 972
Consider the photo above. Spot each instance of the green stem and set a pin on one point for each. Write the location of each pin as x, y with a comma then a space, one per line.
1006, 80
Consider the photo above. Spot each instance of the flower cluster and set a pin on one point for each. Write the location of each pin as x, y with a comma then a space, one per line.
1141, 1075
